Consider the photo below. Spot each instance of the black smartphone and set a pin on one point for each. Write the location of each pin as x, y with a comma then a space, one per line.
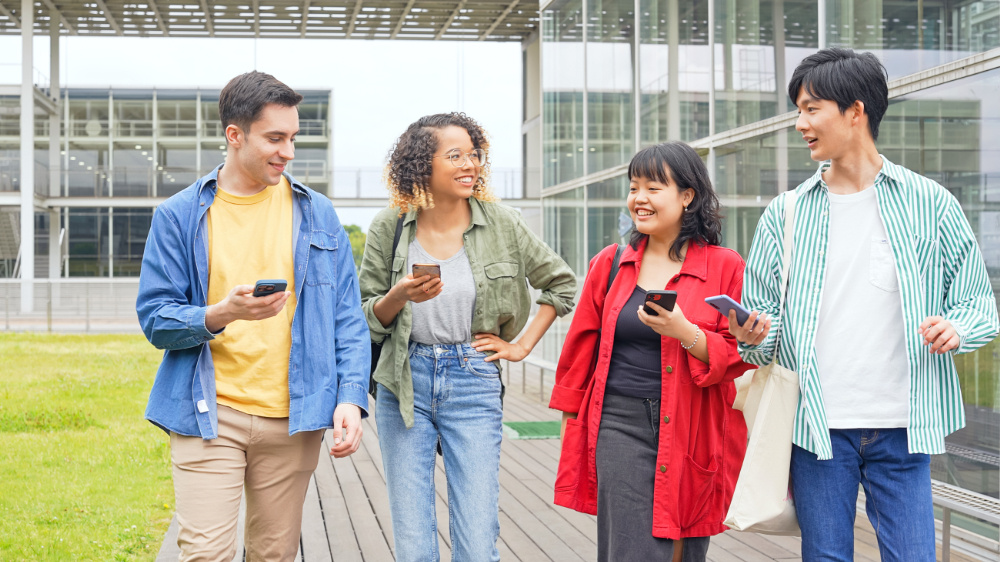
421, 269
665, 299
268, 286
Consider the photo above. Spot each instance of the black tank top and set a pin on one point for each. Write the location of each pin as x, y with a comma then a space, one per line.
635, 368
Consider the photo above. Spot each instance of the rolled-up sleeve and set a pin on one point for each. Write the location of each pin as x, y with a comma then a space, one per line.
546, 271
724, 361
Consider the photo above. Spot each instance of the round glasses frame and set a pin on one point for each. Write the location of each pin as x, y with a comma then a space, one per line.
457, 159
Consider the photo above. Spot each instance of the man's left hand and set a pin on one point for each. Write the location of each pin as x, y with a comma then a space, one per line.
939, 334
346, 430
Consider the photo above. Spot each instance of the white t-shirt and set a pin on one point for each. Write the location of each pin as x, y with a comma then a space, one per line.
860, 342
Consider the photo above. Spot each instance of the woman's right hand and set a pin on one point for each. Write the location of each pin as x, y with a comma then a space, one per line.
749, 333
421, 289
565, 418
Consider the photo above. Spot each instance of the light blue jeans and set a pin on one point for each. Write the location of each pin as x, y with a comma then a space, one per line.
897, 488
456, 397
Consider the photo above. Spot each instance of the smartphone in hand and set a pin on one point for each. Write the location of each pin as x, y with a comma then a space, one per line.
421, 269
665, 299
269, 286
725, 303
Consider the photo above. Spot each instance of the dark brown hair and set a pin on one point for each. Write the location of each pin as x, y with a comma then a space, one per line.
244, 97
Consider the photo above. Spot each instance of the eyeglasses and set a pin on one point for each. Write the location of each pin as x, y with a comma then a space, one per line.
457, 159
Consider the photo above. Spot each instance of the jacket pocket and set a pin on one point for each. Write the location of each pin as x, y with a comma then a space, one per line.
573, 457
322, 269
697, 488
881, 265
502, 288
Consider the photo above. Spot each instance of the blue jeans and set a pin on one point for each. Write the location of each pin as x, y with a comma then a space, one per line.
456, 397
897, 488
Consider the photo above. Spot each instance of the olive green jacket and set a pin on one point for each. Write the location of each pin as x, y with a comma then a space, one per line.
503, 253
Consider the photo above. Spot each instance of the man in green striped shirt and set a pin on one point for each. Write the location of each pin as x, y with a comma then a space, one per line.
887, 282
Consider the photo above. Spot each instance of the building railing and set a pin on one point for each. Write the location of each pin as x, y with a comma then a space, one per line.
72, 305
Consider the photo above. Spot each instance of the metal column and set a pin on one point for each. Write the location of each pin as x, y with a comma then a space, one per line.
27, 184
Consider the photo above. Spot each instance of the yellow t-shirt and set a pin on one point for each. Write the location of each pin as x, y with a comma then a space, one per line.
250, 238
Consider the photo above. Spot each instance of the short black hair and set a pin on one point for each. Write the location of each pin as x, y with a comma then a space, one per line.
244, 97
844, 76
701, 222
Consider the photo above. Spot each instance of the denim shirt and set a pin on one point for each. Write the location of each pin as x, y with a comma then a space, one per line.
504, 254
329, 359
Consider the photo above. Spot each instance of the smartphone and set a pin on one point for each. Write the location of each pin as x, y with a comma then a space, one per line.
725, 303
421, 269
665, 299
268, 286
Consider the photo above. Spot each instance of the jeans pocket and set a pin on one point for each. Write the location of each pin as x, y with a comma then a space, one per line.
479, 366
881, 265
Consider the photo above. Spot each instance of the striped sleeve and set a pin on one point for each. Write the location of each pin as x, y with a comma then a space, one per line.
762, 280
969, 302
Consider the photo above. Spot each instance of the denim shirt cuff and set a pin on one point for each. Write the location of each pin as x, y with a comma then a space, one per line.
197, 325
353, 393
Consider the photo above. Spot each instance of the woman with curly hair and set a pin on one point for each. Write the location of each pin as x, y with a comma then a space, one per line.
438, 376
651, 444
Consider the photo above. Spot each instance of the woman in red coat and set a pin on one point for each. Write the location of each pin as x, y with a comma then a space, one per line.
651, 443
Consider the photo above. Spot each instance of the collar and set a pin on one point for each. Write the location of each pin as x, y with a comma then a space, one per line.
889, 171
695, 262
479, 217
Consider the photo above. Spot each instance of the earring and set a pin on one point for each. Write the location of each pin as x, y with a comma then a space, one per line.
685, 208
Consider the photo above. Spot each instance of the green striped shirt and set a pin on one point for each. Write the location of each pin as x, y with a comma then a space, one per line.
941, 273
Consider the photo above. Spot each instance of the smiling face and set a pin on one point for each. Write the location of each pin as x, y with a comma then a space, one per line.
261, 154
827, 132
657, 208
446, 180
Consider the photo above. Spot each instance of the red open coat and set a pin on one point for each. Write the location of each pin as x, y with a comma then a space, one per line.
702, 440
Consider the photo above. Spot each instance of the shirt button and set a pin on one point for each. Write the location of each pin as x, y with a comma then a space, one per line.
666, 419
820, 252
663, 468
670, 369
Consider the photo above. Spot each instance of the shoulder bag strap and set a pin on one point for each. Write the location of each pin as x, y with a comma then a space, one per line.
615, 266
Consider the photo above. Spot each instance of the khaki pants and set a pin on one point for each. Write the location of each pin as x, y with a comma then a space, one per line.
209, 477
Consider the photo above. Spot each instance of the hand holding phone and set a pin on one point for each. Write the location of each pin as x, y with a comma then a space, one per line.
422, 269
725, 303
268, 287
665, 299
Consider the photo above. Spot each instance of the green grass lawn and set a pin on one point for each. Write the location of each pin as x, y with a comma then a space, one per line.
82, 475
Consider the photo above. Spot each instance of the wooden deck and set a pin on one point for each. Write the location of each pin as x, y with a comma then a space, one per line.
346, 514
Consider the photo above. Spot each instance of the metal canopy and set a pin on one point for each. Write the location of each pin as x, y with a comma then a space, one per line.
465, 20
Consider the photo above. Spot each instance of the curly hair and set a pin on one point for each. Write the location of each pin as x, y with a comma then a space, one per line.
408, 173
702, 221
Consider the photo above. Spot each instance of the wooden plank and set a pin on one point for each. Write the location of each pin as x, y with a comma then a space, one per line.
570, 538
367, 531
766, 547
374, 485
315, 541
337, 518
520, 544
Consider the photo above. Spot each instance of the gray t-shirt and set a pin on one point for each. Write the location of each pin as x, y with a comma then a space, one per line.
447, 318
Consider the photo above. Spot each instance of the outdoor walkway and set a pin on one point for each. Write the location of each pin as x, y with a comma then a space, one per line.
346, 515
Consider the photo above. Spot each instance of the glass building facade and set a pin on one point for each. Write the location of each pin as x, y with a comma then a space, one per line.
618, 76
140, 144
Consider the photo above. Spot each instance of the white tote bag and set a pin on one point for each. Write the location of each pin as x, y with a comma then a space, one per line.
768, 398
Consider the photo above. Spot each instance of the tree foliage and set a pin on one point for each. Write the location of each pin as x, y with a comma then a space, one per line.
357, 238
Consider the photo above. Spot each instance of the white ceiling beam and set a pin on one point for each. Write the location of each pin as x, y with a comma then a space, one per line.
499, 20
109, 17
451, 18
354, 17
305, 16
208, 19
65, 22
151, 4
402, 19
10, 16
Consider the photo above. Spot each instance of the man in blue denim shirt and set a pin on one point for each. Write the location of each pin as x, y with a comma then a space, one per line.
248, 384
